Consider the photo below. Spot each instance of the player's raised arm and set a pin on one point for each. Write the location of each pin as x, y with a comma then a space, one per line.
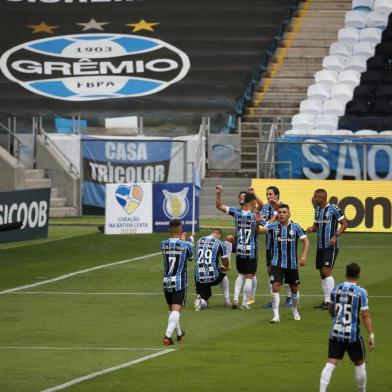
219, 204
259, 202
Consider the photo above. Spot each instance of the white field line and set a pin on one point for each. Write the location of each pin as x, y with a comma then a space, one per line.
107, 370
80, 348
151, 294
71, 274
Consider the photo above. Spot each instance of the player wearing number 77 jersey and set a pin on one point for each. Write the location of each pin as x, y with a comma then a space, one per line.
176, 252
347, 302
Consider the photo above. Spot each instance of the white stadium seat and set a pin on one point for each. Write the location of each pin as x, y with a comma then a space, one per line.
311, 106
357, 63
343, 132
336, 107
341, 48
383, 6
365, 49
349, 77
385, 133
296, 132
377, 19
371, 35
342, 91
366, 132
363, 5
355, 19
326, 76
334, 62
348, 34
319, 91
302, 121
320, 132
326, 122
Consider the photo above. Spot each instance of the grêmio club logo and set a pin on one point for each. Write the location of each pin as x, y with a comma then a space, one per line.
89, 67
365, 212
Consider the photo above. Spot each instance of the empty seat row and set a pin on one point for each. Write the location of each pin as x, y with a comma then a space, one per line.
352, 35
344, 48
323, 92
338, 132
361, 108
315, 107
369, 5
360, 20
308, 122
355, 123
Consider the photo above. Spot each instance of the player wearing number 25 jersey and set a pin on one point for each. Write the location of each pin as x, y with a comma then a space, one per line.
175, 253
347, 303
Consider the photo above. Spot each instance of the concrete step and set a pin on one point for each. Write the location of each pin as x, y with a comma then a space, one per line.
252, 148
224, 174
54, 193
317, 20
300, 60
34, 174
58, 202
211, 182
327, 35
306, 43
263, 111
265, 103
323, 28
297, 67
334, 14
303, 52
287, 82
293, 74
61, 212
285, 89
276, 96
38, 183
316, 5
249, 165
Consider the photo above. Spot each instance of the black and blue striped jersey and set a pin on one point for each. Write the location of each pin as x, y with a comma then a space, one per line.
326, 219
347, 299
208, 251
285, 241
175, 269
267, 212
245, 226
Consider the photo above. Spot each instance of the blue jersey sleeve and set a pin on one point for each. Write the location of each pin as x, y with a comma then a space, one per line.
189, 251
364, 300
338, 213
232, 210
300, 231
332, 297
222, 249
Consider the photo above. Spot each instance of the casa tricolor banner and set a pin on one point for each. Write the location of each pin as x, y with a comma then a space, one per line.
144, 208
172, 58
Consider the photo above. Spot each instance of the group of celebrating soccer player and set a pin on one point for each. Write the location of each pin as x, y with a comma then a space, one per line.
345, 302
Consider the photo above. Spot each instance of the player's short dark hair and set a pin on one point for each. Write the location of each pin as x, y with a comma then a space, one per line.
216, 229
322, 191
242, 192
353, 270
284, 205
275, 190
174, 224
249, 197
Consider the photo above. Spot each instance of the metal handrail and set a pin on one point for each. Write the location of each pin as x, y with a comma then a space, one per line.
10, 132
47, 140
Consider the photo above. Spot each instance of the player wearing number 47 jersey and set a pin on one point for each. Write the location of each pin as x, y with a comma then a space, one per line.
176, 253
208, 272
347, 303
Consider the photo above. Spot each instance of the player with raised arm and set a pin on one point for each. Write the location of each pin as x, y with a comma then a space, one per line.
326, 219
176, 252
347, 304
208, 271
246, 229
284, 260
268, 214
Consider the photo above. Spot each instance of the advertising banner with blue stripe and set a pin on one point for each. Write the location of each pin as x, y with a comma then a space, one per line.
107, 161
175, 201
327, 158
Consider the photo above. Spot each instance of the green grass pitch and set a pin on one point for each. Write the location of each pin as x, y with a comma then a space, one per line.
53, 333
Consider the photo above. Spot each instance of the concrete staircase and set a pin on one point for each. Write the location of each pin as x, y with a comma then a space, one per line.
35, 178
298, 57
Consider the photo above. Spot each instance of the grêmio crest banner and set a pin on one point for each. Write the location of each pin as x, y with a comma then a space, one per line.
133, 56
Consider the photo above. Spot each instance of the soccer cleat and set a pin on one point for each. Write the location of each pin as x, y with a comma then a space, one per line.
296, 315
181, 337
251, 300
289, 302
235, 304
275, 320
325, 306
167, 341
267, 306
228, 304
245, 306
198, 303
319, 306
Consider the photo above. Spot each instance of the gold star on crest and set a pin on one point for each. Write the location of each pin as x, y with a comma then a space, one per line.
142, 25
43, 28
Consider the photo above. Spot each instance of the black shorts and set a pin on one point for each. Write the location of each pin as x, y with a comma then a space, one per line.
289, 276
268, 257
235, 244
325, 257
176, 297
204, 289
355, 350
246, 266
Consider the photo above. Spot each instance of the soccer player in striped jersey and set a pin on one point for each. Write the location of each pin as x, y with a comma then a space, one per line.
284, 260
269, 214
246, 228
176, 252
208, 272
347, 303
327, 217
